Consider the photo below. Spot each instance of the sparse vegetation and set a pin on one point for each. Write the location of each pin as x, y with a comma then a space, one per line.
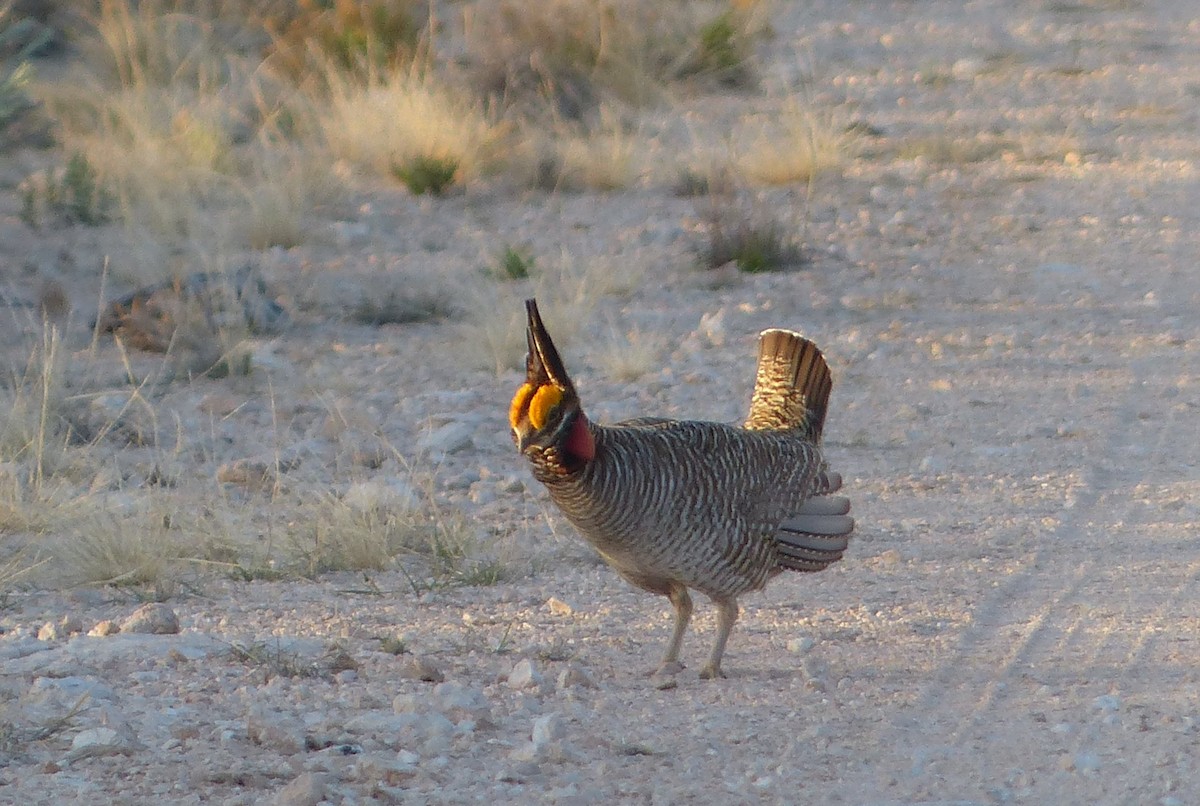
629, 356
20, 39
207, 130
400, 306
426, 174
359, 36
411, 127
752, 239
73, 195
514, 264
793, 147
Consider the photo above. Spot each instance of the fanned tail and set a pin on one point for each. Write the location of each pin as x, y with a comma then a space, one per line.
816, 536
791, 390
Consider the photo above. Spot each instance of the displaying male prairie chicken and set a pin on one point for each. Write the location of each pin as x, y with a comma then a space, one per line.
673, 505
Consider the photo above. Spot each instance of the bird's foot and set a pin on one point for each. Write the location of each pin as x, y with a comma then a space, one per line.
711, 671
667, 669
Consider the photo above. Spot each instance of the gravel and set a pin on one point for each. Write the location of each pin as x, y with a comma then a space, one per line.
1016, 357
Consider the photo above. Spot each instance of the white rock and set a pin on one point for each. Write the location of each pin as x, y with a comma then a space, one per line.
154, 619
275, 731
800, 645
1107, 703
103, 741
449, 438
548, 728
463, 703
558, 607
71, 687
524, 675
306, 789
573, 676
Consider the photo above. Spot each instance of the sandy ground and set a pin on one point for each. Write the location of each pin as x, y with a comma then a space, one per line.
1015, 347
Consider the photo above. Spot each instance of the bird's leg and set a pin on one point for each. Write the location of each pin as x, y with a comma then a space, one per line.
727, 613
683, 614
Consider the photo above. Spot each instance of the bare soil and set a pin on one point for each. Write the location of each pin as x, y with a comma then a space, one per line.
1004, 282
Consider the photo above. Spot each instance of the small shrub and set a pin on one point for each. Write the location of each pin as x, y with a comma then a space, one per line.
722, 51
571, 55
400, 307
20, 39
426, 174
355, 35
73, 196
754, 241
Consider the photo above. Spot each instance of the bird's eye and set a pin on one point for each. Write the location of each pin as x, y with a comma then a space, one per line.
544, 401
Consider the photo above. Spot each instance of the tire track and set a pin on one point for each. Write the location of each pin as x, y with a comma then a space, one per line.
1044, 602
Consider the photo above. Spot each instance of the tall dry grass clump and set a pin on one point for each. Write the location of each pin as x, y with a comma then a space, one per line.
391, 120
573, 55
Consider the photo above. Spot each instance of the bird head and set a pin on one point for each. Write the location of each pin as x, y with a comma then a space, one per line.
545, 415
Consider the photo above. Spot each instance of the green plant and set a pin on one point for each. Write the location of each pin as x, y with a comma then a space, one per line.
359, 36
722, 51
74, 195
274, 660
515, 264
426, 173
754, 241
20, 39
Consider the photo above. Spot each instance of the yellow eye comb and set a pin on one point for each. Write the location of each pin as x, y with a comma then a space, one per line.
518, 404
544, 401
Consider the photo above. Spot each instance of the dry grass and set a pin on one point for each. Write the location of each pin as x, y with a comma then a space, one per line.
793, 147
628, 356
748, 235
568, 57
492, 333
607, 157
395, 119
378, 528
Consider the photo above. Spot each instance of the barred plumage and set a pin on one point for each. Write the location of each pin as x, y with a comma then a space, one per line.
673, 505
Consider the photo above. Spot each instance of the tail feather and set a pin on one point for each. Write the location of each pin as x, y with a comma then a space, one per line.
791, 390
816, 536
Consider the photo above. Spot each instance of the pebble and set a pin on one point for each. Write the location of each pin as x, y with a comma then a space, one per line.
547, 728
558, 607
416, 667
519, 773
573, 676
103, 741
154, 618
524, 675
450, 438
801, 645
306, 789
104, 628
276, 731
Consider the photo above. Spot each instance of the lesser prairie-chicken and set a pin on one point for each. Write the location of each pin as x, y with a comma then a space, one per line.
679, 504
